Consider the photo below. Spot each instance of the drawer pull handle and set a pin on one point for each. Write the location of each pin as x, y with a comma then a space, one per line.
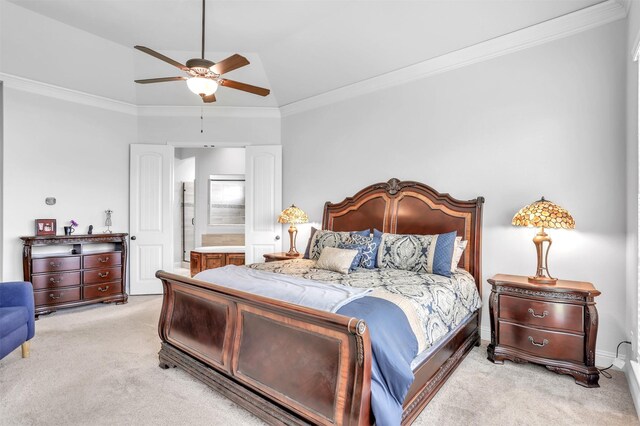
55, 264
56, 281
105, 260
544, 343
103, 289
533, 313
105, 275
54, 297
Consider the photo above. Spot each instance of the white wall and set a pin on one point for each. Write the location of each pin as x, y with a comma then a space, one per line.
52, 147
239, 130
544, 121
76, 153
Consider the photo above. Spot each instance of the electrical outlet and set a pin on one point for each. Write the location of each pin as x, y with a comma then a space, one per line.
618, 363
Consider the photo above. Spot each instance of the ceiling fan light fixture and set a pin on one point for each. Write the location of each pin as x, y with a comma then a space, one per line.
202, 86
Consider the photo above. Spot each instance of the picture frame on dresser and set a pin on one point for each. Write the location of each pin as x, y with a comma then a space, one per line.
45, 227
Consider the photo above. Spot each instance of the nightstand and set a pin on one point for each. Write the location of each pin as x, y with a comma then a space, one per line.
553, 325
272, 257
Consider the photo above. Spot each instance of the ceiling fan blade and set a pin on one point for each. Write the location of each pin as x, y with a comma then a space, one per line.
231, 63
209, 99
160, 80
244, 87
162, 57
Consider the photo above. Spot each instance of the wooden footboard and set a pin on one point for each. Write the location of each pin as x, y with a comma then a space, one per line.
286, 363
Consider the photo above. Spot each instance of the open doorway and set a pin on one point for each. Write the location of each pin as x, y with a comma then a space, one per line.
208, 203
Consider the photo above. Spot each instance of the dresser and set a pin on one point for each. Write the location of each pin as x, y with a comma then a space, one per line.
552, 325
75, 270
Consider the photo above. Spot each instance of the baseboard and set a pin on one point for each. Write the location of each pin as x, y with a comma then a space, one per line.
603, 358
632, 371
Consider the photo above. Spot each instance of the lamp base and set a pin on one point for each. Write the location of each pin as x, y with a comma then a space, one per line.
293, 233
543, 280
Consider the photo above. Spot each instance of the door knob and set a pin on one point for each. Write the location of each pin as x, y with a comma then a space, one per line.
277, 237
133, 237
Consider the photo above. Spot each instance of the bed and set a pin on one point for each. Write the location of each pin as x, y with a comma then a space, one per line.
249, 347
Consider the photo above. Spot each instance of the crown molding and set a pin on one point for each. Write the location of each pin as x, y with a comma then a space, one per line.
62, 93
626, 4
83, 98
208, 111
553, 29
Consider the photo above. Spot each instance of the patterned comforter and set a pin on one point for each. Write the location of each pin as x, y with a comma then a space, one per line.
433, 304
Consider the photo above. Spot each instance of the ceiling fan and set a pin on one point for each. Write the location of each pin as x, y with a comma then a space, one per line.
204, 76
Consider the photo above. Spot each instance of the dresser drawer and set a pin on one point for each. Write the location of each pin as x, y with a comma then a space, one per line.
55, 264
561, 316
65, 279
102, 290
103, 275
102, 260
54, 297
542, 343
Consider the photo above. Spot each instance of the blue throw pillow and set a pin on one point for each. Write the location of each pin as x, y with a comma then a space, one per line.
370, 252
358, 258
444, 253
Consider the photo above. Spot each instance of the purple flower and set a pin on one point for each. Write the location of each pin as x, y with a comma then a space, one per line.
73, 223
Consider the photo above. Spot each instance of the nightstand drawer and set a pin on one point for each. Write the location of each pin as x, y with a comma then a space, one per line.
542, 343
561, 316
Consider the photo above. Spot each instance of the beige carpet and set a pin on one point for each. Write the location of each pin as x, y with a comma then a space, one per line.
98, 365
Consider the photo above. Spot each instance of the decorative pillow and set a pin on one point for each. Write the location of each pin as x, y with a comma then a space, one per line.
458, 249
370, 251
356, 260
432, 254
335, 259
306, 251
322, 239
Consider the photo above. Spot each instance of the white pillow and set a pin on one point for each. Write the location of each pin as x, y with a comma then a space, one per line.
335, 259
458, 249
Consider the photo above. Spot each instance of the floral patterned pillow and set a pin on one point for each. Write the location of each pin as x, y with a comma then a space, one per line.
430, 254
322, 239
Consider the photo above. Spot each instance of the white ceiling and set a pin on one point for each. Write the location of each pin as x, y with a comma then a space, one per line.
297, 48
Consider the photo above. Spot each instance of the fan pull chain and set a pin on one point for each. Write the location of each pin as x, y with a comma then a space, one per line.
201, 120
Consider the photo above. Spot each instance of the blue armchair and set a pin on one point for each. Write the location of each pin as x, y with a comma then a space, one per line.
17, 321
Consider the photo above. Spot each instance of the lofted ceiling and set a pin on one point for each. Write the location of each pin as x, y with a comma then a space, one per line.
297, 48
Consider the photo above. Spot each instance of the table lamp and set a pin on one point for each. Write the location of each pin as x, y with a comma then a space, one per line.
293, 215
543, 214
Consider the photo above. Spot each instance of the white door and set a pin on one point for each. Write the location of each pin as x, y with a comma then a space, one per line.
263, 201
150, 220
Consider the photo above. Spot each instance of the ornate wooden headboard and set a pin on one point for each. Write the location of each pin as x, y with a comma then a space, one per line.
407, 207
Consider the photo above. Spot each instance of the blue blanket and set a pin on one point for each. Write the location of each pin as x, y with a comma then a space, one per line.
393, 344
393, 347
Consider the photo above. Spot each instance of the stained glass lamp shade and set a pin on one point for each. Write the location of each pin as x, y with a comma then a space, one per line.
543, 214
293, 215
